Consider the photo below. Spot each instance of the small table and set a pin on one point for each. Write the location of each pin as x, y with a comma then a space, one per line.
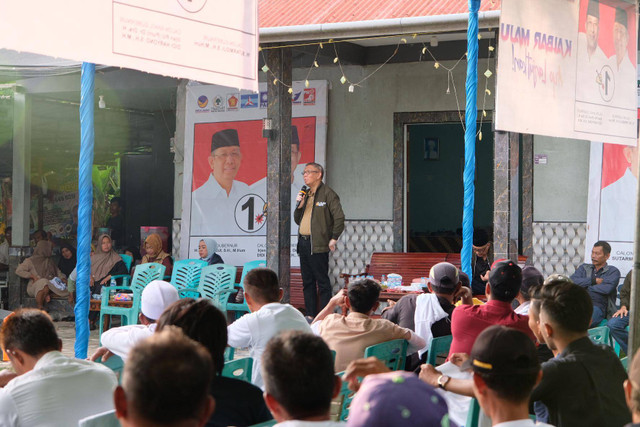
94, 305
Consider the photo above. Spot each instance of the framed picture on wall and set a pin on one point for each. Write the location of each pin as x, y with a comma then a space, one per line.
431, 148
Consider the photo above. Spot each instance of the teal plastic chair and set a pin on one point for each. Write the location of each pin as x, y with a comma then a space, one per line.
625, 363
115, 363
474, 414
239, 369
266, 424
438, 346
229, 353
342, 403
126, 278
600, 335
216, 283
144, 274
393, 353
241, 308
186, 274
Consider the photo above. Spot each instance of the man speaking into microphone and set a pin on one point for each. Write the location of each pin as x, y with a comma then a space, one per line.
319, 214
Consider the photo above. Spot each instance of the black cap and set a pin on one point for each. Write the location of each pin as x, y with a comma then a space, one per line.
505, 280
444, 275
480, 237
594, 8
501, 350
531, 276
225, 138
621, 16
294, 136
464, 279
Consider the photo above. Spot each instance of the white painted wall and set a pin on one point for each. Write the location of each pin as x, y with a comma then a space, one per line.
560, 187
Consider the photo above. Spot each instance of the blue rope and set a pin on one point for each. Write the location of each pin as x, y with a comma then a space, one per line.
470, 136
85, 188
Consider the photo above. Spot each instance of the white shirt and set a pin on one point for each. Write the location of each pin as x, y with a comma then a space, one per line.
587, 86
58, 391
522, 423
213, 211
618, 209
254, 330
120, 340
299, 423
523, 308
4, 252
624, 94
260, 188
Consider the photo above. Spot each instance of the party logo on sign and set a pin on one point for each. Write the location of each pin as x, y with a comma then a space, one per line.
296, 98
232, 102
249, 100
217, 104
203, 101
310, 96
264, 100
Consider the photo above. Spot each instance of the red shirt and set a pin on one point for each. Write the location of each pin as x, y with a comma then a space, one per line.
467, 321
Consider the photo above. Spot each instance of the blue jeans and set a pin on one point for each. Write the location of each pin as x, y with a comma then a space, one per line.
618, 328
596, 317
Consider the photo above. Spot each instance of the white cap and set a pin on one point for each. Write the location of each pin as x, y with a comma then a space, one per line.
157, 296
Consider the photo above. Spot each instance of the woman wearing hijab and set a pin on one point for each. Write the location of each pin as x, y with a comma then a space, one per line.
40, 268
207, 251
153, 248
67, 261
105, 263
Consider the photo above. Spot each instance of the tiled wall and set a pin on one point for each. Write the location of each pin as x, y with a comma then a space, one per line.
558, 247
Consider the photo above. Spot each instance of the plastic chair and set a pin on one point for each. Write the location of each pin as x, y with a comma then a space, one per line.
216, 283
186, 274
625, 363
243, 307
115, 363
266, 424
105, 419
239, 369
474, 413
438, 346
126, 278
600, 335
341, 404
393, 353
144, 274
229, 353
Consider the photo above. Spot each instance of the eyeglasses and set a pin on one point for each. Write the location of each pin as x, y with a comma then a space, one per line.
234, 156
309, 172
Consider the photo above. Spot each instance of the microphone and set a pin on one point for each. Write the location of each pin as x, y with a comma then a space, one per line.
303, 191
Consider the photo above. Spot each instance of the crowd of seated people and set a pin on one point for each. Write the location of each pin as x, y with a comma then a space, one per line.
525, 353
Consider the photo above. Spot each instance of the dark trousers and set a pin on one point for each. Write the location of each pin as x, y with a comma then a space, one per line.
315, 270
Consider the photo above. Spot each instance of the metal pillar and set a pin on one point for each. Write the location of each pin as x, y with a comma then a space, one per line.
279, 168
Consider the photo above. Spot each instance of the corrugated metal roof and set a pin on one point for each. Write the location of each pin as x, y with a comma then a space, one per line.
280, 13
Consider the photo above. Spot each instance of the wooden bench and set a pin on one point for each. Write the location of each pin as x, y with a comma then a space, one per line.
410, 265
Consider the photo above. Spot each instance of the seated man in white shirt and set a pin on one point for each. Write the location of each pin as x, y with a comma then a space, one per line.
166, 382
349, 335
155, 297
299, 380
268, 317
51, 389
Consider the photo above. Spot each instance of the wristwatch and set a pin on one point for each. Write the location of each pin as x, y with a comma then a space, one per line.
443, 380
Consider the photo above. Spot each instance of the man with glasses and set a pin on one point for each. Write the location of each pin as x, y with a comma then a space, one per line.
214, 202
321, 220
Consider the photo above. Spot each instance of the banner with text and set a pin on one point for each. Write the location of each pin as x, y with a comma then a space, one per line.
568, 69
225, 167
212, 41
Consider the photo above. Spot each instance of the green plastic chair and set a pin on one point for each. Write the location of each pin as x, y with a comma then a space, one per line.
625, 363
216, 283
115, 363
186, 275
229, 353
438, 346
241, 308
393, 353
126, 278
474, 413
239, 369
266, 424
600, 335
144, 274
343, 401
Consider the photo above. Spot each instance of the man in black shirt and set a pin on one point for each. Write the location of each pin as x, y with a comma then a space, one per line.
582, 385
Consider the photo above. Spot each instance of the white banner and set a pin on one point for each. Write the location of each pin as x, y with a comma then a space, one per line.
568, 69
214, 41
611, 214
225, 167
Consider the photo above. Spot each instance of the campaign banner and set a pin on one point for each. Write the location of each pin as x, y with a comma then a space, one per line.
611, 213
213, 41
225, 166
568, 69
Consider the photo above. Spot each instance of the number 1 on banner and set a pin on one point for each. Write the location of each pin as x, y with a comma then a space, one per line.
606, 83
246, 217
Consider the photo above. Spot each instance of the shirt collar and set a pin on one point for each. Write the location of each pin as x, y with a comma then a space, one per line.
47, 359
497, 303
358, 315
579, 344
